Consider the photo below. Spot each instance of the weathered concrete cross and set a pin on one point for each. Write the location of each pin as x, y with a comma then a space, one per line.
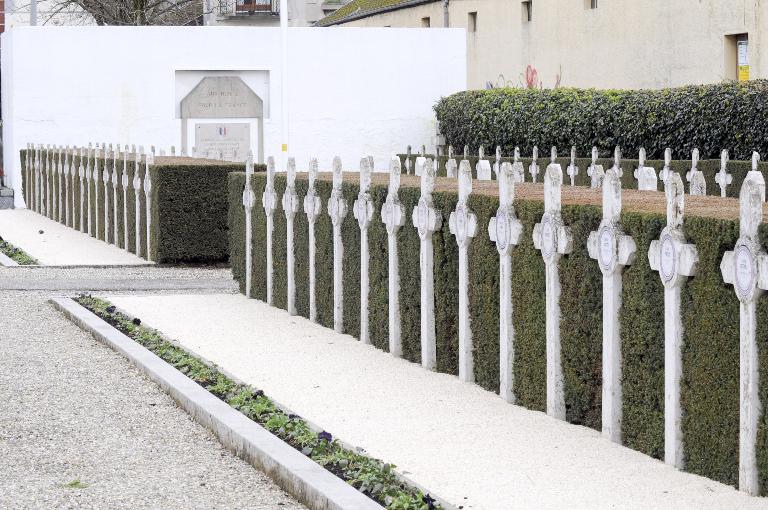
533, 169
249, 200
645, 175
96, 216
554, 240
137, 201
269, 203
105, 177
675, 261
82, 189
613, 251
518, 170
148, 162
290, 208
483, 167
337, 210
125, 196
67, 221
497, 163
746, 268
115, 184
450, 165
363, 212
573, 170
89, 172
393, 217
698, 185
463, 225
312, 208
723, 178
595, 171
505, 229
667, 170
427, 220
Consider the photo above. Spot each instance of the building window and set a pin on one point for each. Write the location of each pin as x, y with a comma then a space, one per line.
472, 22
736, 57
425, 22
527, 10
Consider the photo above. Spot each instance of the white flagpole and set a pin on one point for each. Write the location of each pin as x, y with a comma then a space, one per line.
284, 85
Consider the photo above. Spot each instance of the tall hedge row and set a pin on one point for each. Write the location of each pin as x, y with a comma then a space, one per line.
710, 396
189, 208
711, 117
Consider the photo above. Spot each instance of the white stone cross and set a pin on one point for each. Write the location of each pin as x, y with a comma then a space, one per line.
89, 171
408, 161
312, 207
723, 178
667, 170
645, 175
26, 175
105, 179
47, 182
290, 208
115, 184
96, 186
450, 166
554, 240
533, 168
419, 166
573, 170
38, 180
613, 251
137, 201
483, 167
675, 261
82, 190
148, 162
518, 170
125, 183
269, 203
617, 162
504, 229
698, 185
249, 200
463, 225
66, 172
337, 210
393, 217
363, 212
746, 268
427, 220
595, 172
497, 164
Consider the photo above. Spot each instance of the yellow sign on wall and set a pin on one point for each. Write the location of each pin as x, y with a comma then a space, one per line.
743, 56
743, 73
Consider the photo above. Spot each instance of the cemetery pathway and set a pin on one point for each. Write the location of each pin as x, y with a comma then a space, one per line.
464, 443
80, 427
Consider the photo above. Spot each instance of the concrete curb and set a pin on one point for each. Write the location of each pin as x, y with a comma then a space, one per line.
307, 481
7, 261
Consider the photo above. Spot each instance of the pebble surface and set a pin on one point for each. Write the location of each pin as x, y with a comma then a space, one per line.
82, 428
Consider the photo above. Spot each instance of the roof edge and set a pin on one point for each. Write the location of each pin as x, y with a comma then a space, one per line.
365, 14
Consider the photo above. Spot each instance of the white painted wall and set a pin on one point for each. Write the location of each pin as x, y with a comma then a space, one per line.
352, 92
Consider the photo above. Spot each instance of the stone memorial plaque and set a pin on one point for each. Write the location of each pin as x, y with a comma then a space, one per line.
744, 270
217, 97
423, 215
667, 258
232, 140
606, 247
501, 230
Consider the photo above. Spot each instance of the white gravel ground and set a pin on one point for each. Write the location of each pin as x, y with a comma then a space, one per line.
58, 245
462, 442
72, 409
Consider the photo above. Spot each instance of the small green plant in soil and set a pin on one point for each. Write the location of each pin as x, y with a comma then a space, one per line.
372, 477
15, 254
75, 484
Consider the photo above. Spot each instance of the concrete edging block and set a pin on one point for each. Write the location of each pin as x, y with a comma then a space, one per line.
7, 261
306, 480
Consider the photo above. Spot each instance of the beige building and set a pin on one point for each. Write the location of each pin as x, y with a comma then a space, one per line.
588, 43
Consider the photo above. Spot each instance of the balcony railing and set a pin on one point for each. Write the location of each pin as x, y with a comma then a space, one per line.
246, 7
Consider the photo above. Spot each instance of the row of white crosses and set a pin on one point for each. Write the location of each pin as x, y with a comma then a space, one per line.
746, 267
645, 175
52, 179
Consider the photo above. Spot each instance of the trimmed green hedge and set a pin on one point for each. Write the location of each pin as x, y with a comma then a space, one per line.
728, 115
710, 396
189, 208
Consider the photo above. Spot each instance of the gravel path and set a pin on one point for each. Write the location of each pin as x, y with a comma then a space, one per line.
71, 409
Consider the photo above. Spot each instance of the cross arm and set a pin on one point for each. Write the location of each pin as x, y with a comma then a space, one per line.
627, 250
726, 267
688, 260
